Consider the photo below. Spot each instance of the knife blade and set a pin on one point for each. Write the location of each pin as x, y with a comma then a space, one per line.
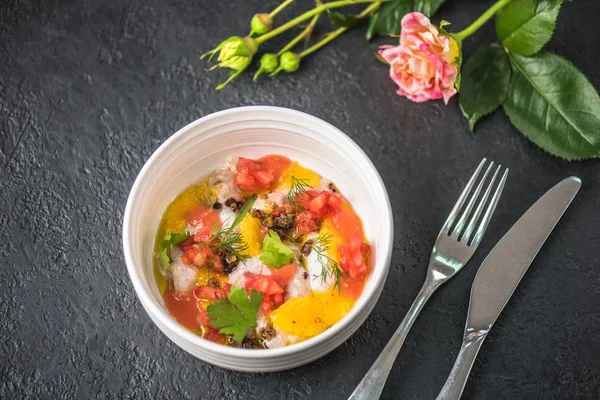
500, 274
502, 270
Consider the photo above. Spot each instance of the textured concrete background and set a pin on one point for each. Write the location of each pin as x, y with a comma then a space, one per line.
88, 90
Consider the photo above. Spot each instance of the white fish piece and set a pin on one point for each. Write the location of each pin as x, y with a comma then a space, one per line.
299, 285
184, 276
223, 180
227, 216
280, 339
252, 266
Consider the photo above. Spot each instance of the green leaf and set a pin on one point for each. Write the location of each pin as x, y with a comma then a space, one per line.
525, 26
428, 7
177, 238
554, 105
164, 260
235, 315
342, 21
274, 253
485, 79
243, 211
386, 21
170, 239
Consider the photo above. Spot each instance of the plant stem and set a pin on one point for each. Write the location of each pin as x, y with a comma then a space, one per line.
331, 36
279, 8
471, 29
308, 14
306, 32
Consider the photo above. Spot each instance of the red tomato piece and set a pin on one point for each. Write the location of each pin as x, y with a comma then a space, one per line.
252, 176
285, 272
306, 222
214, 336
260, 175
266, 284
272, 288
352, 257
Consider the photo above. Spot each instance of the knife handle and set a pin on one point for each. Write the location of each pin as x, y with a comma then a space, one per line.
457, 379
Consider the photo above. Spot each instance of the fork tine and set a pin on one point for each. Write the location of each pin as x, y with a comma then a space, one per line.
467, 235
490, 210
462, 198
463, 219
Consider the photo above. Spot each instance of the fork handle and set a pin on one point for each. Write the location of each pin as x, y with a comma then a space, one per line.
372, 384
457, 379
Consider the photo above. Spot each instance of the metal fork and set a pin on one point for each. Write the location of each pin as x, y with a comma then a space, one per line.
453, 248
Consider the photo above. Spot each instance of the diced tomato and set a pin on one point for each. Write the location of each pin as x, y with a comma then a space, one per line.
203, 217
214, 336
272, 288
202, 256
210, 293
226, 287
266, 284
352, 256
306, 222
259, 175
285, 273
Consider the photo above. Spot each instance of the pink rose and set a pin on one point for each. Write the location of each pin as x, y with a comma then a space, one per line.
424, 64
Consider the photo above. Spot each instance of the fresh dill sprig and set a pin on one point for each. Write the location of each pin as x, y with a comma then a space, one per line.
329, 267
226, 238
298, 191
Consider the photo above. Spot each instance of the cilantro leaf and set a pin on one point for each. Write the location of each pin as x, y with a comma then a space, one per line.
274, 253
235, 315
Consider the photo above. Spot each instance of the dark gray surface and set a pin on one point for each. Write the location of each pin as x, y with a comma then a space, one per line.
88, 89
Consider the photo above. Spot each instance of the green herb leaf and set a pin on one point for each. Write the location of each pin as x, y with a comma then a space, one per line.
170, 239
386, 21
274, 253
342, 20
525, 26
554, 105
428, 7
164, 260
298, 191
243, 211
329, 267
235, 315
485, 79
177, 238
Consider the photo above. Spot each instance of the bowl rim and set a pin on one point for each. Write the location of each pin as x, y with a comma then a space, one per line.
154, 311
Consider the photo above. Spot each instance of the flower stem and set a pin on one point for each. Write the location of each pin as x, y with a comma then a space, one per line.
311, 13
471, 29
331, 36
280, 8
305, 33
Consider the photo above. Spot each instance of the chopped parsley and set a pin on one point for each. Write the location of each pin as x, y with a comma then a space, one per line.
236, 314
274, 253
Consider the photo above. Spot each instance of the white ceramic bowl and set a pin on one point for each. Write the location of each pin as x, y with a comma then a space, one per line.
204, 145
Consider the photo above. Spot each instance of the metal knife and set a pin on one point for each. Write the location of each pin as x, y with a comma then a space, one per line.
500, 274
